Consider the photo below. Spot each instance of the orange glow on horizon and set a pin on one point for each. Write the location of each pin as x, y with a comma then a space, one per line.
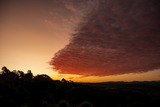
147, 76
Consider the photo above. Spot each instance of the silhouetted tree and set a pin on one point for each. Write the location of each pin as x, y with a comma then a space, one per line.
21, 74
42, 77
5, 70
28, 76
64, 80
8, 76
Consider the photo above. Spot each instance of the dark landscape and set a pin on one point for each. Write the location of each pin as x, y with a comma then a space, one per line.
19, 89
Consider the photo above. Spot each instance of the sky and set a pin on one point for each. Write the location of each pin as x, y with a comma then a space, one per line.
82, 40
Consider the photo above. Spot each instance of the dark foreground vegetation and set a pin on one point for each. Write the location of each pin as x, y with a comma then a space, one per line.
19, 89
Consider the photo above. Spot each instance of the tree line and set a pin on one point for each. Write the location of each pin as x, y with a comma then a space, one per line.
19, 89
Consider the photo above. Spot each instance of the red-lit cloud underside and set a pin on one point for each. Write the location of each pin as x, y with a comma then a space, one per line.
121, 36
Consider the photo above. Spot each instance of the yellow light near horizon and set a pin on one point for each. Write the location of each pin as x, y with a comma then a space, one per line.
147, 76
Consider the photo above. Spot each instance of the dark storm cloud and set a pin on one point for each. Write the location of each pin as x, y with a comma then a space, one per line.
121, 36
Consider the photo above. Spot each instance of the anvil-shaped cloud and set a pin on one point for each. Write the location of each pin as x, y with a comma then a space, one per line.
121, 36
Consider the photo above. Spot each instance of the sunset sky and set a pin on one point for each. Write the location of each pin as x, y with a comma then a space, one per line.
83, 40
